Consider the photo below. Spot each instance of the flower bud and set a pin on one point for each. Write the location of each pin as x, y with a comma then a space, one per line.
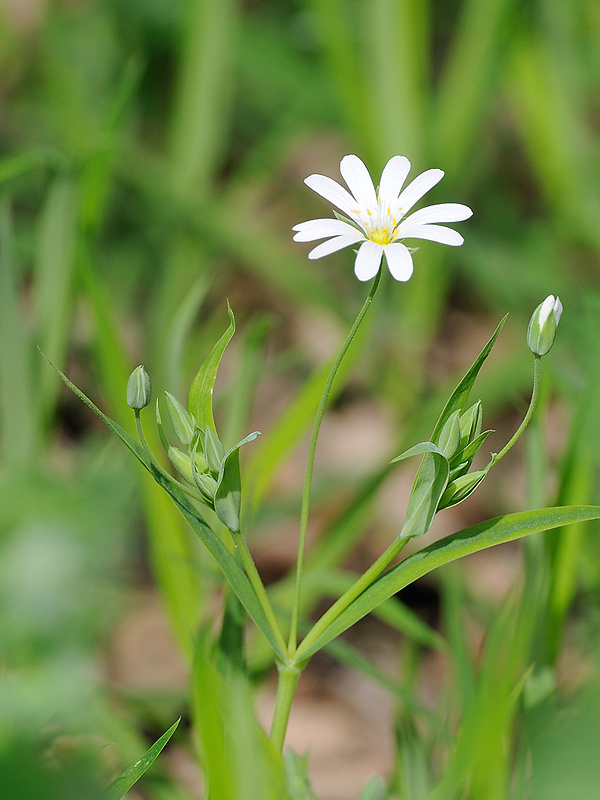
139, 390
184, 423
543, 325
449, 440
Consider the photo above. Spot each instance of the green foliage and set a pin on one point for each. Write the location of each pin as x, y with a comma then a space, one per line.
152, 163
121, 785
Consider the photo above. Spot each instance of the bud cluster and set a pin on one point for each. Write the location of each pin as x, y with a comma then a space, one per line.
459, 440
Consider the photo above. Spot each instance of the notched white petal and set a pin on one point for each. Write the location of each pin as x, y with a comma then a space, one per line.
432, 233
333, 245
442, 212
392, 179
399, 261
368, 260
332, 191
320, 229
417, 188
356, 175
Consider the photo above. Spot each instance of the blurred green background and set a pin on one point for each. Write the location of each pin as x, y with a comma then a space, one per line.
152, 158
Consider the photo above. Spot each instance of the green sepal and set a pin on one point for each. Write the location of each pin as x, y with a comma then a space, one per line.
460, 488
460, 395
351, 222
200, 399
183, 422
121, 785
428, 487
228, 495
214, 452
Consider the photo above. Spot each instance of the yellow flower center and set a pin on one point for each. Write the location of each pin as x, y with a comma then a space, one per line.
383, 235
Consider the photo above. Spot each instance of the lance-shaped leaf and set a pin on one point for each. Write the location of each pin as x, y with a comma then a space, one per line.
228, 495
200, 399
119, 787
458, 398
470, 540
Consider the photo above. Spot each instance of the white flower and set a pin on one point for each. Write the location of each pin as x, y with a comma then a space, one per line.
378, 219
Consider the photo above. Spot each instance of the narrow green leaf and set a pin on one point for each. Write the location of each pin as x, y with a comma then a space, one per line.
469, 540
200, 401
230, 567
132, 774
458, 398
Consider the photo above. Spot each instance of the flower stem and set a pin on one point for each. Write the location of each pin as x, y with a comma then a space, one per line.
311, 460
251, 571
535, 393
286, 688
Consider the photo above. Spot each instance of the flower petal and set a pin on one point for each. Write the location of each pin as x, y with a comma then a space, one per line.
417, 188
359, 181
332, 191
332, 245
368, 260
392, 179
321, 228
399, 261
433, 233
442, 212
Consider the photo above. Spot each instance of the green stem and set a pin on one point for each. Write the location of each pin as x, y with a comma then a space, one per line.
535, 393
357, 588
311, 460
158, 466
286, 688
241, 547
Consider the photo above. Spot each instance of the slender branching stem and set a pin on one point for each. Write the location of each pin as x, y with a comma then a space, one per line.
311, 460
357, 588
251, 571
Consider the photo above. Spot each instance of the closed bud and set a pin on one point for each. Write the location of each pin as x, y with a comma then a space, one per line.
470, 423
183, 422
543, 325
449, 440
139, 389
460, 488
